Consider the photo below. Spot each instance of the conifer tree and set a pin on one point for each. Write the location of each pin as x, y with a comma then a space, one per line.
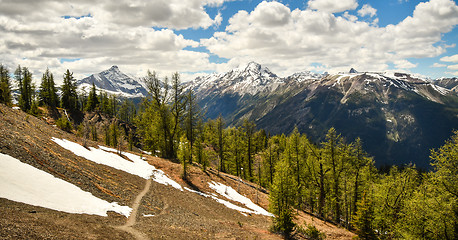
92, 99
282, 198
69, 97
249, 129
363, 221
48, 95
5, 85
184, 153
192, 116
24, 78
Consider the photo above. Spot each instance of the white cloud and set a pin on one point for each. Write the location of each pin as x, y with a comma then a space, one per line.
438, 65
453, 58
404, 64
350, 17
453, 67
332, 6
311, 36
367, 10
111, 33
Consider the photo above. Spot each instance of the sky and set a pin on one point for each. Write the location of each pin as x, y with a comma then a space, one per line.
196, 37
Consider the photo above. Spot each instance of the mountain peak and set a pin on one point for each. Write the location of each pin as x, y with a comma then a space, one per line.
115, 82
114, 67
352, 70
253, 65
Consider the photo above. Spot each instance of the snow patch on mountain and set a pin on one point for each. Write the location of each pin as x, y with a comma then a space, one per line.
113, 81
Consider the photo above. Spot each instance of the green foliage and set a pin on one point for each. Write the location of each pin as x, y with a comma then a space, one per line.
24, 78
282, 198
184, 154
92, 100
69, 96
64, 124
48, 95
5, 86
311, 232
364, 217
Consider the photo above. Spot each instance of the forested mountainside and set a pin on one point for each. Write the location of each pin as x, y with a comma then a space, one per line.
398, 116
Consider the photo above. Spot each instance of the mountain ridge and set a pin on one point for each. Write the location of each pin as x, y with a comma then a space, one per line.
399, 116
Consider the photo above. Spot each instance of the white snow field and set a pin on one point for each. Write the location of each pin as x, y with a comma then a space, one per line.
107, 156
233, 195
137, 166
21, 182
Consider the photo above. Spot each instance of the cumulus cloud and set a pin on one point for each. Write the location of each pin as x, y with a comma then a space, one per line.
453, 58
312, 37
453, 67
87, 36
438, 65
333, 6
367, 10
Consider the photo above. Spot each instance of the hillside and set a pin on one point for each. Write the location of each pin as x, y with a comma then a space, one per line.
398, 116
163, 205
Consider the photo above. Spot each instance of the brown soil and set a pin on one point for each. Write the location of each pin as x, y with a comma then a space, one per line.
177, 214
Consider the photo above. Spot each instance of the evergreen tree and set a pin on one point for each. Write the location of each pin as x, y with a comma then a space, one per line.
48, 95
92, 99
5, 85
69, 97
24, 78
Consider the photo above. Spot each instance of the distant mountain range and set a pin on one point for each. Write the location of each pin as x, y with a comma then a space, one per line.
113, 81
399, 116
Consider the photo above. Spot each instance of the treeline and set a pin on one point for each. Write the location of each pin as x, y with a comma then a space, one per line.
334, 180
30, 97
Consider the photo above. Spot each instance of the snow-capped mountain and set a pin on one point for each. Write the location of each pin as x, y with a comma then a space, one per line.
398, 116
113, 81
449, 83
251, 79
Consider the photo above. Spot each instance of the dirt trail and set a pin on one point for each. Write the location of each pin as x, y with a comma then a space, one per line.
132, 219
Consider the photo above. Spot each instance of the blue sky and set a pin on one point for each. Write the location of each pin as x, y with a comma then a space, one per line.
196, 37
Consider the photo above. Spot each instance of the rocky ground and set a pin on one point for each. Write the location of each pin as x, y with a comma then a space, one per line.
170, 213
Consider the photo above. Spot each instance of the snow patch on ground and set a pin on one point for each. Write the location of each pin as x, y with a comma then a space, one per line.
107, 156
224, 202
137, 167
230, 193
21, 182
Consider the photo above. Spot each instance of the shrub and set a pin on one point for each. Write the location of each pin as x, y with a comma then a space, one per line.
64, 124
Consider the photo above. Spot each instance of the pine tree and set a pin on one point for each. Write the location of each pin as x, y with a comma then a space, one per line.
92, 100
5, 85
69, 97
48, 95
24, 78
